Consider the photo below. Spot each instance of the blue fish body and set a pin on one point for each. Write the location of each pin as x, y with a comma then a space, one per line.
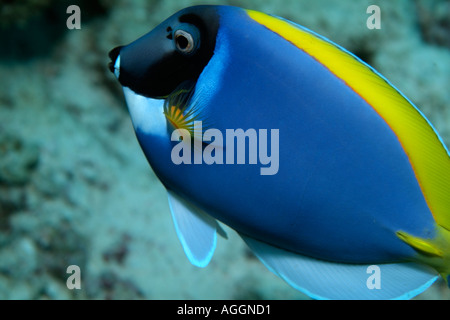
343, 193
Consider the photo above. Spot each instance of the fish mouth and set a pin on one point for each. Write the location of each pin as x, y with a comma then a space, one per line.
114, 65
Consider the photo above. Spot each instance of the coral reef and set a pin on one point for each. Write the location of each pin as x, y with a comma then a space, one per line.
18, 13
30, 28
434, 20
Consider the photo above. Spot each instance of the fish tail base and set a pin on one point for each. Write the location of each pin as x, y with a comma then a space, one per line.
434, 252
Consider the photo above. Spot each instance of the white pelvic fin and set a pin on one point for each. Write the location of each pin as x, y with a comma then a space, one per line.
195, 229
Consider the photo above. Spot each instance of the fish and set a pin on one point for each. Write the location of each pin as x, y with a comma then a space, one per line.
334, 179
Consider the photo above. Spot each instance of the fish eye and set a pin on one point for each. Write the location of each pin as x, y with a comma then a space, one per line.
186, 40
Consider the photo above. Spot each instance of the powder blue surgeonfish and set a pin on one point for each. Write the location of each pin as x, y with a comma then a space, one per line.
332, 177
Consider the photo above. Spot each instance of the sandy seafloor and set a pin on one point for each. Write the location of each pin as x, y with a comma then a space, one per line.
75, 187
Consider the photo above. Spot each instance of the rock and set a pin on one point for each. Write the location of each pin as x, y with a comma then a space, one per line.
18, 159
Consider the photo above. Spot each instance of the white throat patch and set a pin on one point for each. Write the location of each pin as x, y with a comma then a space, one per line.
147, 114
